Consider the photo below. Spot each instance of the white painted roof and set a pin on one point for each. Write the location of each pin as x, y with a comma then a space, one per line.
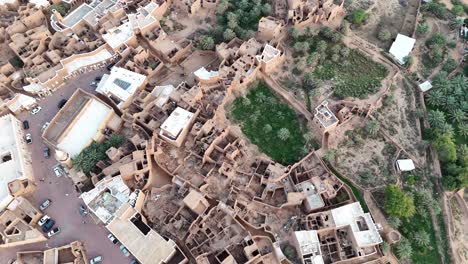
405, 165
309, 244
21, 101
349, 215
10, 144
269, 52
425, 86
33, 88
120, 83
83, 61
43, 3
118, 35
204, 74
402, 47
84, 127
176, 122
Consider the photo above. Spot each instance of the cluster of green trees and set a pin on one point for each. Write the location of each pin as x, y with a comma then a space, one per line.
325, 58
62, 8
449, 129
437, 49
272, 125
413, 219
235, 19
88, 158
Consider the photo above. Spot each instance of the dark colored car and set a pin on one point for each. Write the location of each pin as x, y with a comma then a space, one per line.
46, 152
25, 124
109, 67
62, 103
48, 225
98, 79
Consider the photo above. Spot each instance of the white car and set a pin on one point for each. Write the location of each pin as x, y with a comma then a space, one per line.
96, 260
36, 110
43, 220
28, 138
53, 232
44, 126
58, 171
44, 204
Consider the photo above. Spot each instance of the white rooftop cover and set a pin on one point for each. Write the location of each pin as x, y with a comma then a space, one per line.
351, 215
33, 88
405, 165
425, 86
309, 244
402, 47
84, 128
21, 101
120, 83
204, 74
91, 59
43, 3
118, 35
177, 121
13, 168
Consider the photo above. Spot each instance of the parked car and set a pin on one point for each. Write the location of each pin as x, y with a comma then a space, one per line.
46, 152
45, 204
53, 232
43, 220
25, 124
45, 126
62, 103
134, 261
36, 110
58, 171
96, 260
93, 84
48, 225
28, 138
109, 67
112, 239
83, 210
124, 250
98, 79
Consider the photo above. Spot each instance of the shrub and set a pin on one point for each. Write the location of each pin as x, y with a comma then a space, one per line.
206, 42
359, 16
384, 35
398, 203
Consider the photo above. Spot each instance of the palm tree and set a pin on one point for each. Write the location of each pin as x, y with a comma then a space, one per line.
435, 98
459, 81
450, 103
463, 129
404, 249
284, 134
458, 116
422, 238
372, 127
436, 118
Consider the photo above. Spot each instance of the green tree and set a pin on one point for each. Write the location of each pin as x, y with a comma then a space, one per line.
284, 134
398, 203
62, 8
456, 23
229, 34
345, 26
384, 35
293, 33
463, 129
359, 16
301, 47
404, 249
458, 10
222, 7
422, 238
267, 128
446, 148
450, 65
457, 116
436, 40
206, 42
422, 29
372, 127
395, 222
330, 155
322, 46
436, 118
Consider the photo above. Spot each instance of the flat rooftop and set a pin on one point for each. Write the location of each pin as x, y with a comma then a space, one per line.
120, 83
11, 160
145, 244
176, 122
75, 125
309, 246
118, 35
364, 230
401, 47
324, 115
106, 198
74, 17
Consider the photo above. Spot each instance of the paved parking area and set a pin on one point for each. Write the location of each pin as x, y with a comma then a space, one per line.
65, 204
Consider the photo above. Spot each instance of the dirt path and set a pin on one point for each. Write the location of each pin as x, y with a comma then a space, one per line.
409, 24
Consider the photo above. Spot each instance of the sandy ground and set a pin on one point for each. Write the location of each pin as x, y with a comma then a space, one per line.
460, 230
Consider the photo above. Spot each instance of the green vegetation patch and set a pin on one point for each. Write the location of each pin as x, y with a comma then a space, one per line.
88, 158
270, 124
354, 74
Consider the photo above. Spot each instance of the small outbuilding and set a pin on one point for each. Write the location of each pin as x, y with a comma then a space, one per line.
405, 165
425, 86
401, 48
